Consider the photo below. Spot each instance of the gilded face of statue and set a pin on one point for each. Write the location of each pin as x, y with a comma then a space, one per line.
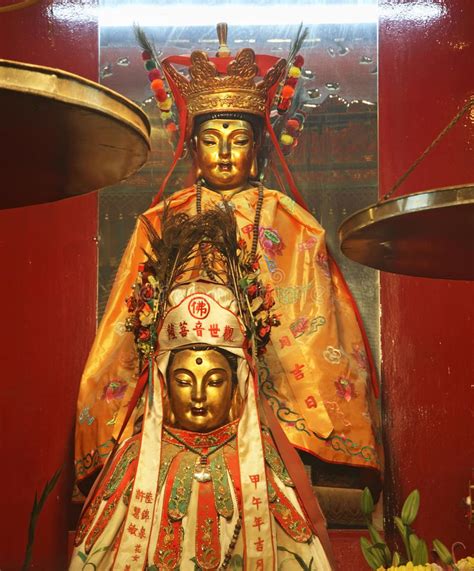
200, 390
225, 152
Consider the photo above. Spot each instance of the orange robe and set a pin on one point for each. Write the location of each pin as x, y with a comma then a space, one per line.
315, 375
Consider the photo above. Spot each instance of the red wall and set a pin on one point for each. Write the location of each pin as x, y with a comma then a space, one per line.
48, 293
426, 74
49, 282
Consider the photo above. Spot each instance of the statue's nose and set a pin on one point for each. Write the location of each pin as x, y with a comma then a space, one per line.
199, 393
225, 149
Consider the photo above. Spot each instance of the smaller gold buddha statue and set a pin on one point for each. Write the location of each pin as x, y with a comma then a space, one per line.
201, 389
202, 485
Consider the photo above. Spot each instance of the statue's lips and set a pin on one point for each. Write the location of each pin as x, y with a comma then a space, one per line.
198, 411
226, 167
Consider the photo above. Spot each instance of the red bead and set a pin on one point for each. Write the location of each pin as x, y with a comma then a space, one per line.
146, 55
293, 126
171, 127
161, 95
283, 105
291, 81
299, 61
154, 74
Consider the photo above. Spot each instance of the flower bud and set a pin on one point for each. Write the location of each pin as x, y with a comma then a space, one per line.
367, 502
410, 507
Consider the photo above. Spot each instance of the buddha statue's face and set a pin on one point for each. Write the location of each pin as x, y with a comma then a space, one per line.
225, 152
200, 390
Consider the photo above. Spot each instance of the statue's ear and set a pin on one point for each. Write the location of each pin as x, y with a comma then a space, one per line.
168, 414
170, 418
193, 147
253, 174
235, 406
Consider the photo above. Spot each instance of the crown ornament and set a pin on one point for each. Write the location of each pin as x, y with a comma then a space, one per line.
249, 84
236, 90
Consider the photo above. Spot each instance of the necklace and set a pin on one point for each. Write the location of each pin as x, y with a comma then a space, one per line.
201, 475
255, 225
201, 468
232, 544
227, 198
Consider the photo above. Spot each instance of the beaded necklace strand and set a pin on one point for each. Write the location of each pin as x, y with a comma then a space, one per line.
255, 225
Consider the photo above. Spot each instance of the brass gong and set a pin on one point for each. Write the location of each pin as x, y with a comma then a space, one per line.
427, 234
63, 135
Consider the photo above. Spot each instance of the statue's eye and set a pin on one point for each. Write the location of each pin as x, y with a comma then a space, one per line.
216, 381
209, 142
183, 382
241, 141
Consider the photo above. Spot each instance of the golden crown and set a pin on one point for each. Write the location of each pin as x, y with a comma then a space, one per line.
208, 91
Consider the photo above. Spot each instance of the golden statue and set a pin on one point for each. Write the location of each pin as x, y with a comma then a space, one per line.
200, 390
202, 484
315, 373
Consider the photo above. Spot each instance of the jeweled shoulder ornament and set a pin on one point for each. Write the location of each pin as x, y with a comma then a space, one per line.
64, 135
403, 235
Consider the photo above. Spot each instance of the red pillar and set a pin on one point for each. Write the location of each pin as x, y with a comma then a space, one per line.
48, 292
426, 57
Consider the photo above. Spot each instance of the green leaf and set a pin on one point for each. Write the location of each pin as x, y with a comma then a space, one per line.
403, 531
35, 512
396, 559
413, 541
369, 557
443, 552
419, 551
400, 526
298, 558
421, 555
380, 543
387, 556
410, 507
374, 534
367, 503
105, 548
379, 553
236, 562
372, 554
